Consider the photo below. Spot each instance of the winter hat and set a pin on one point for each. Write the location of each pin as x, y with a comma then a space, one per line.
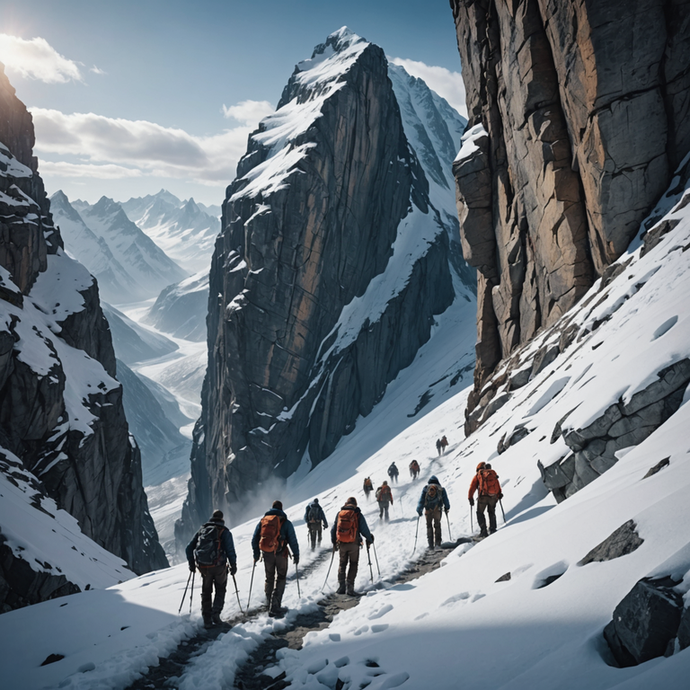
385, 483
480, 466
352, 501
217, 515
316, 500
433, 479
278, 505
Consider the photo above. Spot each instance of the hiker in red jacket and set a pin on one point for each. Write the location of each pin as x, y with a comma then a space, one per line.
347, 531
485, 482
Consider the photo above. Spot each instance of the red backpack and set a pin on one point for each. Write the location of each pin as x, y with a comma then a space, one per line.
488, 483
348, 522
269, 541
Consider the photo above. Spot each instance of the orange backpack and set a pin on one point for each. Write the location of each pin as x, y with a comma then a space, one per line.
348, 522
488, 483
269, 541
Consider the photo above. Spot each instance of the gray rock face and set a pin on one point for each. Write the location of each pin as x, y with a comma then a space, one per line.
623, 541
302, 337
61, 411
644, 622
580, 113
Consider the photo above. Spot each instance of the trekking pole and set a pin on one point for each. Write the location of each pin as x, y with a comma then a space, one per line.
237, 594
371, 570
251, 582
500, 502
416, 532
471, 523
329, 569
450, 536
299, 594
191, 593
185, 592
376, 558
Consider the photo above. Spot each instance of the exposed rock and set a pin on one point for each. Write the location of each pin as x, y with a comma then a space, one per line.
504, 578
578, 115
623, 541
644, 622
516, 435
659, 466
684, 630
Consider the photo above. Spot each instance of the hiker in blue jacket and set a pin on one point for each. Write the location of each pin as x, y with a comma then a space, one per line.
433, 500
314, 518
210, 550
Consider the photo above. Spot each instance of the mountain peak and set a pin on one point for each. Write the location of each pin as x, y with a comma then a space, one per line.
339, 40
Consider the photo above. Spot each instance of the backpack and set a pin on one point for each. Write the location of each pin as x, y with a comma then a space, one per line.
313, 513
433, 497
208, 551
383, 493
270, 541
414, 466
348, 522
367, 484
488, 483
392, 471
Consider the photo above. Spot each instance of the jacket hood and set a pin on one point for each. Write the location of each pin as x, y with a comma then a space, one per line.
433, 479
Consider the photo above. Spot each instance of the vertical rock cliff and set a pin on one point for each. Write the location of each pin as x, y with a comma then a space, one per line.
578, 116
329, 268
61, 409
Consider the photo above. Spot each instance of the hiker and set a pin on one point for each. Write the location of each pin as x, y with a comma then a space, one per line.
393, 472
438, 446
347, 531
414, 469
485, 482
444, 445
368, 487
433, 500
384, 496
209, 551
272, 536
314, 517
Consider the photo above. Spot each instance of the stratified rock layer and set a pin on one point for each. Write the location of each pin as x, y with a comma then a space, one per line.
578, 115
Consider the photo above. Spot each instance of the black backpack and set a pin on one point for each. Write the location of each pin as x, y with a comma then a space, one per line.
208, 551
313, 513
433, 497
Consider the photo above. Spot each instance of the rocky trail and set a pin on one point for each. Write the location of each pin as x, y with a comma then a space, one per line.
251, 675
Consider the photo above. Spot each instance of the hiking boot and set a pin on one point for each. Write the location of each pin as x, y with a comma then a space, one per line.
278, 612
351, 590
483, 534
208, 622
216, 619
341, 588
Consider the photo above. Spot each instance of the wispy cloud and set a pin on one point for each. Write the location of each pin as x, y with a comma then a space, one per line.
445, 83
117, 147
35, 58
249, 113
108, 171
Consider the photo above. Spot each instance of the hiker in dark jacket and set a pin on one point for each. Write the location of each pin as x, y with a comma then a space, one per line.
414, 469
384, 497
393, 472
347, 531
433, 500
444, 444
485, 483
272, 536
213, 538
368, 487
314, 517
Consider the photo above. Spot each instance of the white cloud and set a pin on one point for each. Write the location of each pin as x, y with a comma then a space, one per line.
109, 171
249, 113
37, 59
445, 83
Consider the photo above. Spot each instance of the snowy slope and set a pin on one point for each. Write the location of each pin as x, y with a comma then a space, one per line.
185, 230
146, 263
458, 625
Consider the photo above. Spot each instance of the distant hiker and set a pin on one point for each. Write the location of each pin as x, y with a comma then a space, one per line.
393, 472
444, 444
485, 482
433, 501
347, 531
384, 496
414, 469
314, 518
438, 446
272, 536
368, 487
209, 551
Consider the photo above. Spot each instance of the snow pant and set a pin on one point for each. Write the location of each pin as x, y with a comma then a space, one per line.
367, 492
393, 478
433, 524
217, 576
314, 533
383, 509
276, 566
414, 474
487, 503
349, 553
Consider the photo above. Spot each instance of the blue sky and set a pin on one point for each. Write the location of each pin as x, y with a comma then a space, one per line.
129, 97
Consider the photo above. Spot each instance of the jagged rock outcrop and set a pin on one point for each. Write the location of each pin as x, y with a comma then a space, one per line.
328, 270
61, 409
578, 116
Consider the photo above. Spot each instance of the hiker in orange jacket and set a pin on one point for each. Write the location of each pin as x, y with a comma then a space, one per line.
485, 482
347, 531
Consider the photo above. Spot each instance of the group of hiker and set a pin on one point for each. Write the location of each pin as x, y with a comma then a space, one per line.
441, 445
212, 551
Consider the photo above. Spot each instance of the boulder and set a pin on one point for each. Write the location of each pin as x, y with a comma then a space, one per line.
623, 541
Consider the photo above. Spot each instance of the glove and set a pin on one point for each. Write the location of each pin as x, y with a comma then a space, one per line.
371, 539
370, 542
192, 568
445, 510
471, 502
256, 559
419, 512
296, 559
335, 546
233, 570
500, 496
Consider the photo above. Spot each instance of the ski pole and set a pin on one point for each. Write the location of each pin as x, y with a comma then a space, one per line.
450, 536
191, 593
299, 594
371, 570
185, 592
251, 582
376, 558
329, 568
416, 532
471, 524
500, 502
237, 594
